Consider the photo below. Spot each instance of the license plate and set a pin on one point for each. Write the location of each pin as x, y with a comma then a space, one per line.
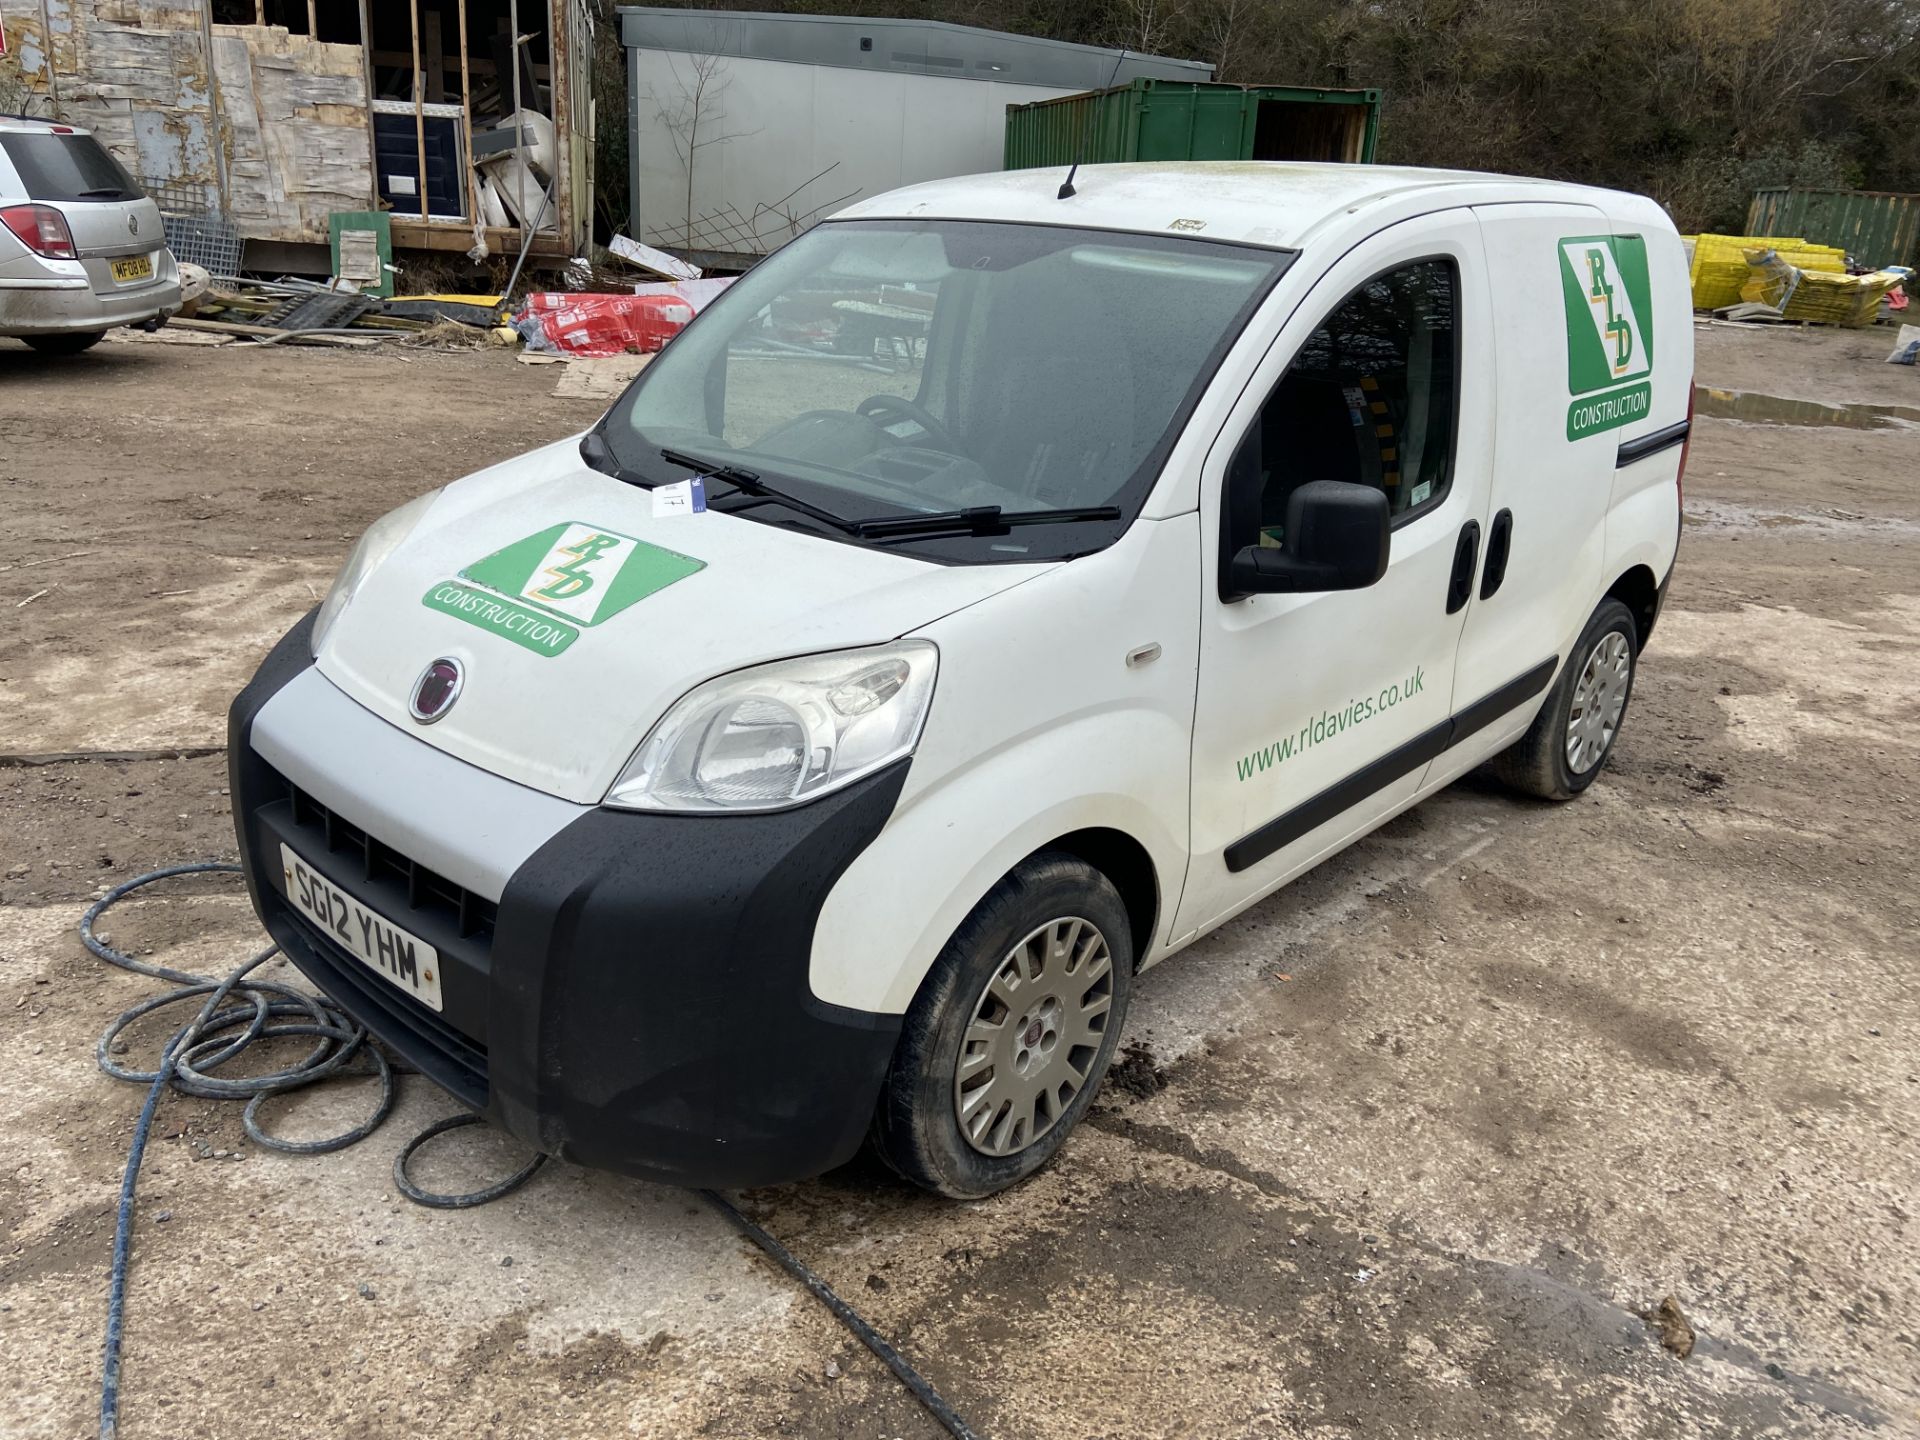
134, 267
398, 956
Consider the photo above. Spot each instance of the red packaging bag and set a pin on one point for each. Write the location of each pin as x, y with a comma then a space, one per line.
598, 325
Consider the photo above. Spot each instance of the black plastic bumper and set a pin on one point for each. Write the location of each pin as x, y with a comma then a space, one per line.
639, 1001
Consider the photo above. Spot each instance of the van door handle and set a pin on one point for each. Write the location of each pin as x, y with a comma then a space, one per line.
1499, 542
1466, 556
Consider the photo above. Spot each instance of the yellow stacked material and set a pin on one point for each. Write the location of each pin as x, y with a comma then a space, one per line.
1814, 295
1717, 264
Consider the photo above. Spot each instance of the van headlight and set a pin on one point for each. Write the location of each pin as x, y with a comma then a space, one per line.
383, 537
780, 735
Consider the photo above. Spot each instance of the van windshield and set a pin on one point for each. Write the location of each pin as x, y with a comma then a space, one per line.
878, 370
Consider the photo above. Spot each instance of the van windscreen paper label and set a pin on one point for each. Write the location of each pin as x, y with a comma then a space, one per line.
537, 592
1603, 279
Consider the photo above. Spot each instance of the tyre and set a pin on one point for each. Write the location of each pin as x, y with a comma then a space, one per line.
1573, 734
65, 344
1011, 1034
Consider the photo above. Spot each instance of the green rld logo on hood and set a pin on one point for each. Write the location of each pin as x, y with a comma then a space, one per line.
545, 586
1609, 302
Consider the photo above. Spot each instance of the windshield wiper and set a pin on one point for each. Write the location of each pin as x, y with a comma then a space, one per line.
750, 483
975, 520
979, 520
748, 480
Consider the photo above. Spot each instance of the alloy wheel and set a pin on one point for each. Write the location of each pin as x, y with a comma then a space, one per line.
1034, 1035
1599, 700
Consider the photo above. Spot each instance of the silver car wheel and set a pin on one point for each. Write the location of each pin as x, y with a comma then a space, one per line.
1035, 1033
1599, 699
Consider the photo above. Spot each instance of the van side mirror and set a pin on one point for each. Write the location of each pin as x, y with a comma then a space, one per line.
1338, 538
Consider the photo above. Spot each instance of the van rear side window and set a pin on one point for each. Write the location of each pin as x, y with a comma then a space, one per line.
67, 168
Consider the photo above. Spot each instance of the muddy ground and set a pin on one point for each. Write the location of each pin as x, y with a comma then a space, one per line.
1407, 1151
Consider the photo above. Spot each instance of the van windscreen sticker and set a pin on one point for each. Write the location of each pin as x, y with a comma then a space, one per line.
1609, 305
545, 586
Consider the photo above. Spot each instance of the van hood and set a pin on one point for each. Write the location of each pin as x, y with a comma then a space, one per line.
578, 616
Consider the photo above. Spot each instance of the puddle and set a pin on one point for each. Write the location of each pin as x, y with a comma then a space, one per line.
1759, 409
1721, 515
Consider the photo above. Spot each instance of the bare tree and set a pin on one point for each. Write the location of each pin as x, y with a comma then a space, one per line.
1147, 25
18, 93
1221, 25
695, 116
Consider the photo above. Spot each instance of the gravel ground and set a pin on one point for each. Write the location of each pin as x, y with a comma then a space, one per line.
1411, 1150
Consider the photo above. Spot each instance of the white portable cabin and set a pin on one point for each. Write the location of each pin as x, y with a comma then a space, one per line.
744, 128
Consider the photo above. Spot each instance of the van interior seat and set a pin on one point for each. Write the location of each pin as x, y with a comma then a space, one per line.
1033, 428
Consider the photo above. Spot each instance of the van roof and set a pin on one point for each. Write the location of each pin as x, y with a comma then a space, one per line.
1261, 202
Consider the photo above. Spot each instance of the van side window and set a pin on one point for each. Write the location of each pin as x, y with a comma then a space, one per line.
1371, 397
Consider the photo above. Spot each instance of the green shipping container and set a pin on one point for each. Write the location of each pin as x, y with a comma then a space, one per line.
1875, 227
1180, 120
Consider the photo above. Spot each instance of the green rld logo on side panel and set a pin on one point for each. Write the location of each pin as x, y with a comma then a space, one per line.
1609, 303
565, 576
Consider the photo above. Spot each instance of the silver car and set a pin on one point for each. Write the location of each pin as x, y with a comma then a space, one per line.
81, 246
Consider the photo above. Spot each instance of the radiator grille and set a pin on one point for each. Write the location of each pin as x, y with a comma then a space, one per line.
471, 915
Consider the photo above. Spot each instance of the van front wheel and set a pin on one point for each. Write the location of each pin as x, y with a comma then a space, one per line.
1573, 734
1012, 1032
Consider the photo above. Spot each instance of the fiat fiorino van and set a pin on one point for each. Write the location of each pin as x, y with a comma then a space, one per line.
988, 595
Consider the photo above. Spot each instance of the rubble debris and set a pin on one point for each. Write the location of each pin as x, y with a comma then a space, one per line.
195, 281
1801, 294
1749, 312
648, 258
307, 312
515, 160
322, 310
1675, 1331
261, 332
1135, 1072
482, 311
599, 379
1717, 264
449, 335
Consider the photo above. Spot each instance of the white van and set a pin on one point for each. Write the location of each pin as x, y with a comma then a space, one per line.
987, 596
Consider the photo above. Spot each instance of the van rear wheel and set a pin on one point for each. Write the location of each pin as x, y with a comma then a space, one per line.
1012, 1032
1573, 734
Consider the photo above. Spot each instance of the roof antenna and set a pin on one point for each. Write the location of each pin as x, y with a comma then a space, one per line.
1067, 192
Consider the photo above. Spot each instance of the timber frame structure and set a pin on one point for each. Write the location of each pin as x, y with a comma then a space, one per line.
274, 114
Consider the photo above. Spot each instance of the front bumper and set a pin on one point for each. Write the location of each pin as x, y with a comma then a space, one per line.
635, 998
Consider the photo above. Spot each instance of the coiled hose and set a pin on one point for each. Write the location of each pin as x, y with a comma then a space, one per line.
237, 1011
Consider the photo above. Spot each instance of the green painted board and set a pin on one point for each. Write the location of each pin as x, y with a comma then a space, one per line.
349, 229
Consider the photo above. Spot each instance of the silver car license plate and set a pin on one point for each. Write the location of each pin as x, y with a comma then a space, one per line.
398, 956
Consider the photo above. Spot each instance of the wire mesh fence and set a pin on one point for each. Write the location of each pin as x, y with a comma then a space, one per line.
197, 232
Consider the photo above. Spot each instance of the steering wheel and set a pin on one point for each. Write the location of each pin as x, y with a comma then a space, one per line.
876, 405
